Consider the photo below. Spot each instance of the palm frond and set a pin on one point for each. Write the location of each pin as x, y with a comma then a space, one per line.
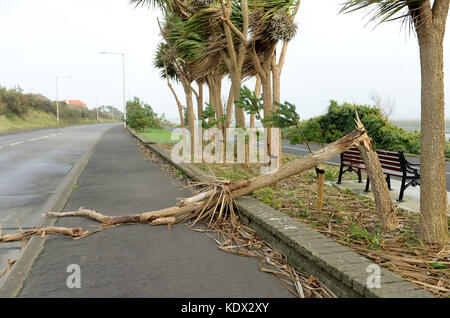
387, 10
148, 3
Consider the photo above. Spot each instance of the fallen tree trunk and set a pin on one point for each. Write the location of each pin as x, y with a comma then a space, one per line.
206, 203
383, 200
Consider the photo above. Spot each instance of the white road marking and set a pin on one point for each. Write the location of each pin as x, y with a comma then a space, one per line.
43, 137
16, 143
299, 149
33, 139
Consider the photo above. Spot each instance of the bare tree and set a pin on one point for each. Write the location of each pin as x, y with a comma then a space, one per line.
387, 106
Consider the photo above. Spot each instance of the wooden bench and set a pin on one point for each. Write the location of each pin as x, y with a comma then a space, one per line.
393, 164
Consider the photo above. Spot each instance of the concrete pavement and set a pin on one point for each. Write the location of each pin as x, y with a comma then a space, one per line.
139, 260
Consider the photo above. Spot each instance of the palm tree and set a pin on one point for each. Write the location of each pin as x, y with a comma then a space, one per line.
428, 19
270, 21
163, 61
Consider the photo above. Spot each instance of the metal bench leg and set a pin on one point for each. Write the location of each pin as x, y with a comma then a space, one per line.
359, 176
388, 180
341, 171
402, 190
367, 185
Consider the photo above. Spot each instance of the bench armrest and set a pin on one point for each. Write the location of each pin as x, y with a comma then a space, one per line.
410, 169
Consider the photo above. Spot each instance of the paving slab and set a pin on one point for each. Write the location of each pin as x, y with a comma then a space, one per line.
411, 198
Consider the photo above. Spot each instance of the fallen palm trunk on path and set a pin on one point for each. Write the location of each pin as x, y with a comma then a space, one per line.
205, 203
218, 196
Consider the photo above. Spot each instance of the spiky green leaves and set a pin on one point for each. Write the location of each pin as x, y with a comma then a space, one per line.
285, 116
281, 27
250, 103
163, 60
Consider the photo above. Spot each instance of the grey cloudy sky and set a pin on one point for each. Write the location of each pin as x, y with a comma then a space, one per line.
332, 57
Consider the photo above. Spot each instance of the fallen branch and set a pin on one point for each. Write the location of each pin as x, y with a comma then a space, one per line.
74, 232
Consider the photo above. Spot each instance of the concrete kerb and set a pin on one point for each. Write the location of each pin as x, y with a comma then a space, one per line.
344, 271
13, 282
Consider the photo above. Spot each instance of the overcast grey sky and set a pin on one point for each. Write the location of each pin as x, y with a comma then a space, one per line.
332, 57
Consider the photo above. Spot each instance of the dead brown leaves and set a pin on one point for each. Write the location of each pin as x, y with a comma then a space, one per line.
238, 239
352, 221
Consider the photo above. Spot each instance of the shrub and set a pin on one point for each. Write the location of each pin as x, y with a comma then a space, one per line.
141, 115
339, 121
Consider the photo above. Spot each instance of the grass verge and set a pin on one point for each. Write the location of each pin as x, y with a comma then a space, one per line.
162, 136
37, 119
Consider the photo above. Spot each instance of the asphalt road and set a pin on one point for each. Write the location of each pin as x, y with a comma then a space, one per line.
33, 165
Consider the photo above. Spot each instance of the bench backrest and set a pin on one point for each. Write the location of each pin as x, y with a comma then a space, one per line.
352, 156
389, 160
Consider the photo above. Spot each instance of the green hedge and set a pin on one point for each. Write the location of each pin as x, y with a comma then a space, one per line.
340, 120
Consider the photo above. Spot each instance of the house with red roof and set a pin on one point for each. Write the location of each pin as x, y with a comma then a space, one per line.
75, 102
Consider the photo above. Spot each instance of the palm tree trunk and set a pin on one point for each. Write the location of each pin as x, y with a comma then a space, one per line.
230, 104
212, 94
239, 112
180, 107
200, 101
257, 94
276, 78
218, 99
433, 190
190, 111
268, 105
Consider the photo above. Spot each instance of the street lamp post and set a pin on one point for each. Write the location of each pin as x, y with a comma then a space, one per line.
123, 82
57, 98
98, 105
